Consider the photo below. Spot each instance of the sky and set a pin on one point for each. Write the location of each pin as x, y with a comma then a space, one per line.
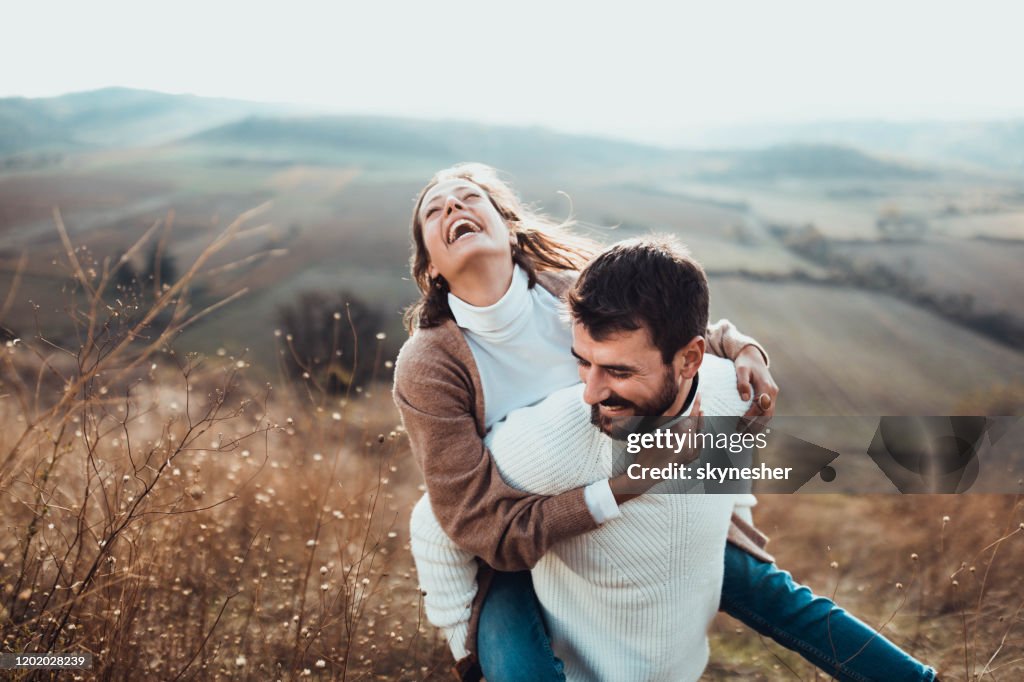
637, 69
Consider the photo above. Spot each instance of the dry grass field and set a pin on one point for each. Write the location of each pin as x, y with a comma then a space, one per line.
271, 543
842, 352
983, 269
181, 521
183, 517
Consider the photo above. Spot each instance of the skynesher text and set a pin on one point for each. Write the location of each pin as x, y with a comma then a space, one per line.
708, 472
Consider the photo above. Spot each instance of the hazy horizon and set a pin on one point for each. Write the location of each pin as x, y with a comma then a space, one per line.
652, 73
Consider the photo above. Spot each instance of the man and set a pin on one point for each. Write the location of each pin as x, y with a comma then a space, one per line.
633, 598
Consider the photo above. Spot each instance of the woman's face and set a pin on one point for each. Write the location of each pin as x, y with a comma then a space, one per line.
461, 227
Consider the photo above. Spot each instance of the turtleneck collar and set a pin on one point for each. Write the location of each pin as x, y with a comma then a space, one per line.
500, 318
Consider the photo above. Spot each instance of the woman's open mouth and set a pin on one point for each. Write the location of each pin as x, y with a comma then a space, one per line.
462, 228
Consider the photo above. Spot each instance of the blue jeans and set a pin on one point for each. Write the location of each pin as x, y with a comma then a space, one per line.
513, 641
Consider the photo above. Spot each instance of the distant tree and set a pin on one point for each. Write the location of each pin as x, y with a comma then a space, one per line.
337, 340
894, 224
161, 269
808, 241
126, 281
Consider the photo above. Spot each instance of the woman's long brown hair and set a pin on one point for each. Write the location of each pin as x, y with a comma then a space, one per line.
541, 242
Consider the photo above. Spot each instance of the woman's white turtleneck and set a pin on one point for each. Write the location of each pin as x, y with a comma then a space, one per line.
521, 346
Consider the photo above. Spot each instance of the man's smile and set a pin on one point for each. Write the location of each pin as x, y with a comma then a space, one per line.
615, 410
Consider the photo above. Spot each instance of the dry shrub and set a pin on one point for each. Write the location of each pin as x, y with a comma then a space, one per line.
324, 334
179, 521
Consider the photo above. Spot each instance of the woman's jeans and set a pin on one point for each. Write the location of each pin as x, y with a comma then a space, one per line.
513, 642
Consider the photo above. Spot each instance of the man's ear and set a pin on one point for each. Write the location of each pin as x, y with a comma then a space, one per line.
688, 359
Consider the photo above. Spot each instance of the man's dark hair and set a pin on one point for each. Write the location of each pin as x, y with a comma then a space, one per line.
651, 282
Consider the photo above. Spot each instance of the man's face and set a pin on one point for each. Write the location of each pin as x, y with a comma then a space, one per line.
625, 376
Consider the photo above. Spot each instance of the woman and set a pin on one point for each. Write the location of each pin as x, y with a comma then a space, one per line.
482, 329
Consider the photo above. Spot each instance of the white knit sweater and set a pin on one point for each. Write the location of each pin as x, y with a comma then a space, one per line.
631, 600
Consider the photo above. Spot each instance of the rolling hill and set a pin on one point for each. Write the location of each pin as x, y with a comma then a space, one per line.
249, 132
997, 144
112, 117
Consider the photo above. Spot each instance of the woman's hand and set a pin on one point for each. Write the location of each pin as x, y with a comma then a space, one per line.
753, 378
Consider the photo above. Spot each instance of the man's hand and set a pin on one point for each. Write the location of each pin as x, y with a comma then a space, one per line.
753, 378
625, 488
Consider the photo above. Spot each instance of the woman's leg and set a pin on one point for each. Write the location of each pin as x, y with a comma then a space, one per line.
512, 640
765, 598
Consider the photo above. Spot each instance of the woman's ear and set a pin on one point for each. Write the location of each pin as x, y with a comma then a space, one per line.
432, 271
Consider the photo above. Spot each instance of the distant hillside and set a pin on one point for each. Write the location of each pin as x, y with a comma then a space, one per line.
995, 144
39, 131
338, 138
119, 117
23, 126
806, 161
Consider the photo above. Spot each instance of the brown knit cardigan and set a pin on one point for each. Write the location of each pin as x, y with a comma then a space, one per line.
438, 392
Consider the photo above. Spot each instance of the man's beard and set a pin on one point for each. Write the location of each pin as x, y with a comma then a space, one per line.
620, 427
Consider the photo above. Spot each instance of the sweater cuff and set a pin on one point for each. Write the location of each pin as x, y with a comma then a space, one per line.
569, 515
743, 507
755, 344
457, 635
601, 501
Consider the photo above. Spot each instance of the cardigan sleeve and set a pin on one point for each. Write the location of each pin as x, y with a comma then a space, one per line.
508, 529
726, 341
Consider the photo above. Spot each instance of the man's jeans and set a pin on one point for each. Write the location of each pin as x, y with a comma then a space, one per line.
513, 642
